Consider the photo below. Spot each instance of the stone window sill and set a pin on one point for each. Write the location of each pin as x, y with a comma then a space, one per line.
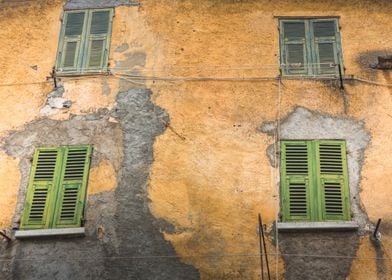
39, 233
317, 226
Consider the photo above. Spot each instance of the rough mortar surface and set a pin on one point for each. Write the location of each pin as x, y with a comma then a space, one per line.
304, 124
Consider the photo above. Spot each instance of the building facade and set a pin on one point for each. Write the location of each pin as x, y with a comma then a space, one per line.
142, 139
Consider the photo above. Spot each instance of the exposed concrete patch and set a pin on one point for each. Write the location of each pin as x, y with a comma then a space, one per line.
141, 122
312, 255
56, 258
132, 59
369, 59
122, 48
94, 4
118, 224
305, 124
382, 271
55, 102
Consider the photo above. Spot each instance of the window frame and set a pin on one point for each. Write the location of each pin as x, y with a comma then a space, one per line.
316, 208
57, 187
310, 46
83, 49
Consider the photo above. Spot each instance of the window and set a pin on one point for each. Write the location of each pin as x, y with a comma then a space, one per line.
57, 188
84, 41
310, 47
314, 184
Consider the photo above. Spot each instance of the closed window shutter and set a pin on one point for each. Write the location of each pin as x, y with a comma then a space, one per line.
41, 193
98, 40
295, 47
296, 181
72, 186
325, 46
71, 49
333, 182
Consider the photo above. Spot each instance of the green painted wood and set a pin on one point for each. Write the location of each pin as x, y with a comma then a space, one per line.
57, 187
85, 41
98, 40
295, 49
310, 47
72, 187
41, 193
314, 181
295, 181
333, 180
71, 41
325, 46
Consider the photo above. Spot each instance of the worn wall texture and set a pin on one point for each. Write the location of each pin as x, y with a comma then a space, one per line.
185, 140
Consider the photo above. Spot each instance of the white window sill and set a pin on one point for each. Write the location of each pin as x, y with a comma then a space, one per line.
317, 226
68, 232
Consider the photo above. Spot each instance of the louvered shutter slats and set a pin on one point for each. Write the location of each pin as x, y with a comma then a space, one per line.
71, 49
40, 193
310, 46
294, 40
84, 42
98, 39
333, 180
295, 170
325, 46
57, 188
72, 187
314, 181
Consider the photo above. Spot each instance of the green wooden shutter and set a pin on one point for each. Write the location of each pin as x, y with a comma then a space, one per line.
294, 44
333, 182
98, 40
325, 46
296, 181
72, 186
70, 53
41, 192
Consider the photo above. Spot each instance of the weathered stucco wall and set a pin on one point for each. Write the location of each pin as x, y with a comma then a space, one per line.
185, 140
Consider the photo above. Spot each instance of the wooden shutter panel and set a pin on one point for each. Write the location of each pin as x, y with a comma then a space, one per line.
98, 40
325, 46
296, 181
333, 182
71, 44
294, 47
41, 191
72, 186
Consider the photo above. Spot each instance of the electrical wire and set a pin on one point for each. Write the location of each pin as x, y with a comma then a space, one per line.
133, 77
287, 255
22, 84
371, 82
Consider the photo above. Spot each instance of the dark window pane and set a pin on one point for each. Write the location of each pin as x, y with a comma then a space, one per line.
74, 24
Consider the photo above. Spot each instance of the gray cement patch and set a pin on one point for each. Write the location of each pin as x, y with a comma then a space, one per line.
140, 232
318, 255
303, 124
123, 240
313, 255
62, 258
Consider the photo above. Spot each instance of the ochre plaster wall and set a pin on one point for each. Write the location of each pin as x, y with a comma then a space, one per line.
211, 175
